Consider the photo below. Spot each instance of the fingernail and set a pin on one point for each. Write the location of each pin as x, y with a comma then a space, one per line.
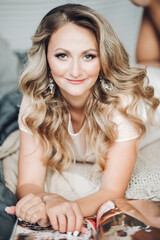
6, 209
10, 210
75, 234
69, 234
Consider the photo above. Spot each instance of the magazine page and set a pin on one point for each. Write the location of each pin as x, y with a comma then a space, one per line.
28, 231
91, 224
128, 219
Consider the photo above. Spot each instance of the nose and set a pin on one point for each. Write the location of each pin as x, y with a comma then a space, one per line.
75, 68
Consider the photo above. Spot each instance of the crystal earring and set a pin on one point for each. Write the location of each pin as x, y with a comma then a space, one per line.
107, 87
51, 85
105, 84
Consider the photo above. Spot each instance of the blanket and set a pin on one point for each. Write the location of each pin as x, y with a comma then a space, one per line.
9, 109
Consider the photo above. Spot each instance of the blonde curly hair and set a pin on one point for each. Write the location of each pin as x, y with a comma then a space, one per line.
48, 114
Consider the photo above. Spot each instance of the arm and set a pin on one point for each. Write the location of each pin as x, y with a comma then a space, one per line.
35, 205
31, 170
115, 178
148, 44
31, 175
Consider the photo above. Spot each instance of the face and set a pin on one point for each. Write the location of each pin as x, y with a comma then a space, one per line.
74, 60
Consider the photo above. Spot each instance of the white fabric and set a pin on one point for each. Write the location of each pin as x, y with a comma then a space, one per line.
74, 183
145, 180
24, 108
153, 131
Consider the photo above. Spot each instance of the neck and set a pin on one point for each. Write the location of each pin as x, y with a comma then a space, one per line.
76, 106
75, 103
77, 117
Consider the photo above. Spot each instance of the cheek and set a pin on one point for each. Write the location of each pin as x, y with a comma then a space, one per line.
94, 70
57, 69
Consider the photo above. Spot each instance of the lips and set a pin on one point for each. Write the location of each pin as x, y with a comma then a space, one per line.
76, 81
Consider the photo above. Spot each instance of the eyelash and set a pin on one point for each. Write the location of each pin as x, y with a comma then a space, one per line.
91, 56
63, 56
60, 55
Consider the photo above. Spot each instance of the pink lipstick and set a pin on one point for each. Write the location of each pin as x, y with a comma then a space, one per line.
76, 81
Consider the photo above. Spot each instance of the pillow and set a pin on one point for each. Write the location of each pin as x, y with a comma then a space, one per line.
145, 180
8, 68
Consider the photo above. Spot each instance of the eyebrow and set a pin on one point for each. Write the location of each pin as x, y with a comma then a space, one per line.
88, 50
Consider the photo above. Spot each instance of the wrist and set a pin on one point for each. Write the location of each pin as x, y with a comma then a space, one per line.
28, 188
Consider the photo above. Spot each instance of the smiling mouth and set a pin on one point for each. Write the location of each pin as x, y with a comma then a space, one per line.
76, 81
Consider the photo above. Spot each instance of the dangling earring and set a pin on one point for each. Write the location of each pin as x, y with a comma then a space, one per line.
51, 85
104, 84
107, 87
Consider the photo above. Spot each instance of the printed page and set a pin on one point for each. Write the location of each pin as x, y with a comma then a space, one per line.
28, 231
125, 219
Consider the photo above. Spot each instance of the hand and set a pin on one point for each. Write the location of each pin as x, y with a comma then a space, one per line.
64, 215
30, 208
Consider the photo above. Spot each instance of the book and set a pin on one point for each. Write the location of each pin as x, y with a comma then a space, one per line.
115, 220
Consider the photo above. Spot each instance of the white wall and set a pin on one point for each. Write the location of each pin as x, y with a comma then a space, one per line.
19, 19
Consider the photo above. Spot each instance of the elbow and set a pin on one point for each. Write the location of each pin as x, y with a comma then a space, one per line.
112, 193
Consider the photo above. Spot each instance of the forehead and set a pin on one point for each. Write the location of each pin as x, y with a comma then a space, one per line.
71, 34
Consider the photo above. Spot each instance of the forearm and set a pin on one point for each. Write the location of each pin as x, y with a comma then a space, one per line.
90, 204
115, 178
28, 188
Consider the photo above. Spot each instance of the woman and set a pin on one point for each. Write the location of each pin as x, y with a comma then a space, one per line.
80, 104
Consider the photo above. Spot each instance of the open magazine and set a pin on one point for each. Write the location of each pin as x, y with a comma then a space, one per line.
115, 220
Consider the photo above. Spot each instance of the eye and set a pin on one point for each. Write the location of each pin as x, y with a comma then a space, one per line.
89, 56
62, 56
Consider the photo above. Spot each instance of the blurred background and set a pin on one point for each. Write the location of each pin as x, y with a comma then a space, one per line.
19, 19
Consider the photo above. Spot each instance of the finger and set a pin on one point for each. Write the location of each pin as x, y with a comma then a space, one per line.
25, 204
11, 210
79, 217
37, 216
44, 222
71, 221
41, 218
21, 202
83, 230
54, 221
62, 222
35, 212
